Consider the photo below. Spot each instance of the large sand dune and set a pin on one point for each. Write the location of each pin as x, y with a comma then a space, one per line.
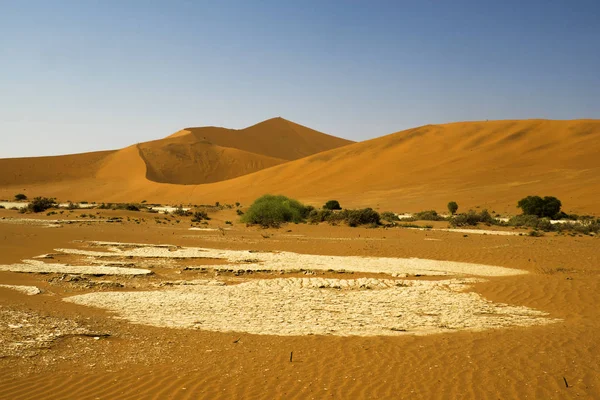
190, 156
488, 164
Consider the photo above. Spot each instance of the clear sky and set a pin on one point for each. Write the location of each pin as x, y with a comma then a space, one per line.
87, 75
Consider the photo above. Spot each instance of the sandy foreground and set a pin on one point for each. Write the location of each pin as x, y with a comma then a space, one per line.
299, 312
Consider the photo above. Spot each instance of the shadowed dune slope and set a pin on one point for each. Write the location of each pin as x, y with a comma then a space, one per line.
199, 162
212, 154
276, 137
190, 156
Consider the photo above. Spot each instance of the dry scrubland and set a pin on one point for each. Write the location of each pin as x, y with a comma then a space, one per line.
135, 308
143, 300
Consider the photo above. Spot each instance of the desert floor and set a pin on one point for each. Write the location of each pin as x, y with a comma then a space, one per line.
56, 349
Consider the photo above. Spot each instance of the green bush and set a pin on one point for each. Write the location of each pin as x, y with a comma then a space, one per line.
239, 212
534, 205
389, 216
72, 206
472, 218
180, 212
428, 215
530, 221
20, 196
452, 207
40, 204
362, 217
272, 211
332, 205
200, 216
316, 216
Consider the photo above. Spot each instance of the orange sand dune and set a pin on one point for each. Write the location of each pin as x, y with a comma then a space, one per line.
276, 137
488, 164
191, 156
30, 170
200, 162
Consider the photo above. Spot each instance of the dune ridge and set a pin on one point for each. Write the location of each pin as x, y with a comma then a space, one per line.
490, 164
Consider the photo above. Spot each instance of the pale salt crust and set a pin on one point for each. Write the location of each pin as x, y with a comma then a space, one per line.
480, 231
168, 209
28, 290
316, 306
244, 260
35, 266
52, 223
11, 204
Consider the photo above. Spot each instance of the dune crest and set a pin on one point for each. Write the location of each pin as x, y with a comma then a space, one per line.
490, 164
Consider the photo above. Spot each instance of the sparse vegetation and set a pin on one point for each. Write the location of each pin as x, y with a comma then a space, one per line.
389, 216
452, 207
316, 216
272, 211
428, 215
362, 217
472, 218
40, 204
72, 206
239, 212
181, 212
20, 197
332, 205
200, 216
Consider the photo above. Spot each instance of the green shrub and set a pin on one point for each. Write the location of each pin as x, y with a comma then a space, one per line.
428, 215
132, 207
332, 205
530, 221
20, 197
239, 212
200, 216
389, 216
72, 206
316, 216
534, 205
361, 217
452, 207
272, 211
180, 212
472, 218
40, 204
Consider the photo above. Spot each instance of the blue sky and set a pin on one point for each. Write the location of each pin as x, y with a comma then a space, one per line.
90, 75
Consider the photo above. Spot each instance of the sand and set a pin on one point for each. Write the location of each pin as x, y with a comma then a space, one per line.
559, 158
559, 295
